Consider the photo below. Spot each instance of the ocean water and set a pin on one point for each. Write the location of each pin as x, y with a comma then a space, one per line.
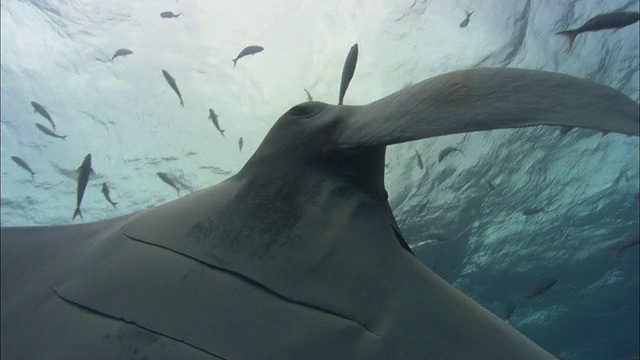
462, 215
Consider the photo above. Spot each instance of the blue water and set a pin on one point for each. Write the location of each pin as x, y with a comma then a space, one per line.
125, 114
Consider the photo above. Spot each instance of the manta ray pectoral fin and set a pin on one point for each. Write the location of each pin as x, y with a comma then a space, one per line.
487, 99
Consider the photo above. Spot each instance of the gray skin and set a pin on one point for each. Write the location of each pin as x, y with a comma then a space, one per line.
23, 164
347, 72
105, 192
214, 118
169, 14
249, 50
612, 20
465, 22
240, 143
50, 133
42, 111
121, 52
84, 171
448, 151
173, 85
289, 251
420, 163
541, 287
167, 180
309, 97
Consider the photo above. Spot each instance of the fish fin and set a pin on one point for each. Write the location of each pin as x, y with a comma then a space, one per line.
76, 213
92, 172
571, 35
485, 99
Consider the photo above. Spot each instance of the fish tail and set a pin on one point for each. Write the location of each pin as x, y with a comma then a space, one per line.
181, 103
234, 62
114, 204
468, 13
64, 137
76, 213
571, 35
222, 132
178, 15
32, 176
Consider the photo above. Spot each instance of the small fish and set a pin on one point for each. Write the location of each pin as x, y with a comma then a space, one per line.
169, 14
105, 192
121, 52
50, 133
42, 111
83, 179
164, 177
510, 307
309, 97
23, 164
214, 119
173, 85
625, 244
491, 186
531, 211
347, 71
541, 287
447, 151
565, 129
419, 160
240, 143
465, 22
249, 50
612, 20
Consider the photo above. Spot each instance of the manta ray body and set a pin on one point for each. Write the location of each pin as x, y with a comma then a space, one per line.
296, 256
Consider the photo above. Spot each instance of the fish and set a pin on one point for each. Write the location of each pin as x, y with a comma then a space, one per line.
249, 50
240, 143
167, 180
289, 251
169, 14
565, 129
448, 151
420, 164
528, 211
23, 164
613, 20
510, 308
631, 241
84, 171
121, 52
541, 287
465, 22
50, 133
174, 86
105, 192
347, 72
309, 97
42, 111
214, 119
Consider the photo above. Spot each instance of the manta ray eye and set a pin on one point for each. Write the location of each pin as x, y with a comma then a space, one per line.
306, 110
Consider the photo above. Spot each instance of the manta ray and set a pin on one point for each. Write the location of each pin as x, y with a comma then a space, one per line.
298, 255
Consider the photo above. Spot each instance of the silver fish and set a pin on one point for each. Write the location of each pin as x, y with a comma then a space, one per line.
347, 71
50, 133
249, 50
23, 164
105, 192
169, 14
613, 20
121, 52
214, 118
42, 111
167, 180
84, 171
174, 86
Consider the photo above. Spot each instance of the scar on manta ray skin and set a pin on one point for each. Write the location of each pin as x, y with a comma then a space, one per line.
306, 261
